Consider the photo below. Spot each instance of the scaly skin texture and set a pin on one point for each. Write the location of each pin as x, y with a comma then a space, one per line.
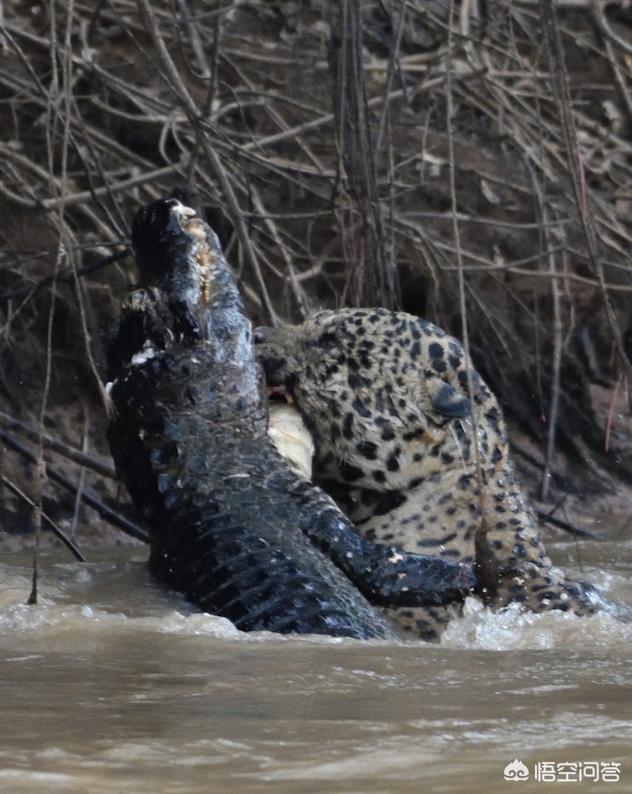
385, 396
233, 527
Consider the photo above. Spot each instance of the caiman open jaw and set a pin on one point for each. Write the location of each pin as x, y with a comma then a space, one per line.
192, 225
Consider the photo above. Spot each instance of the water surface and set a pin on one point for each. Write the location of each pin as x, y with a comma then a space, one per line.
112, 684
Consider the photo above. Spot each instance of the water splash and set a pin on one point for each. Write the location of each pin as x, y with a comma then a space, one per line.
513, 628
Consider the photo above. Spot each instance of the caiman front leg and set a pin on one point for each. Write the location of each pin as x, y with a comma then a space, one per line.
385, 575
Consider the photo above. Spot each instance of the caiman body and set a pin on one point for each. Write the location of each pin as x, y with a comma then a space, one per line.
233, 527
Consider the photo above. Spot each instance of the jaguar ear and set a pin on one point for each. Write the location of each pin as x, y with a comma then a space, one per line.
446, 400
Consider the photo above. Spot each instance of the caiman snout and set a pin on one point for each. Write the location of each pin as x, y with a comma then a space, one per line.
157, 236
177, 252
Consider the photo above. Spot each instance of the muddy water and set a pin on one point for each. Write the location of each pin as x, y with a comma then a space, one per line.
113, 685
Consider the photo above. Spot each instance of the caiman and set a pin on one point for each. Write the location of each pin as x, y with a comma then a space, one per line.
233, 527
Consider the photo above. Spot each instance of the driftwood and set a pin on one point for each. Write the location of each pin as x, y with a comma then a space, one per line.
49, 521
114, 517
97, 465
566, 526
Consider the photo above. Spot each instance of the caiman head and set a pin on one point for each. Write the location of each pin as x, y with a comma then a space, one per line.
186, 283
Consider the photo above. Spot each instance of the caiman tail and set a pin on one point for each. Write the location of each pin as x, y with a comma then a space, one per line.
232, 526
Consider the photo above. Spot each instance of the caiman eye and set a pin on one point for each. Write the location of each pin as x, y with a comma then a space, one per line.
260, 334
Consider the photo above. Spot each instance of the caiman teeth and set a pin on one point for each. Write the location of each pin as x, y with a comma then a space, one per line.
182, 211
193, 226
